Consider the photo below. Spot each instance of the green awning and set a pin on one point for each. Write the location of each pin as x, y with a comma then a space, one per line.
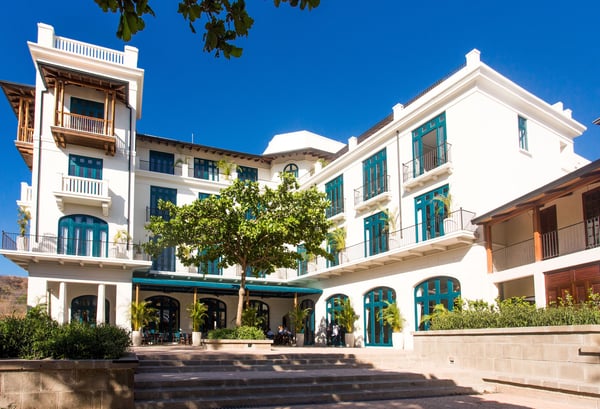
220, 287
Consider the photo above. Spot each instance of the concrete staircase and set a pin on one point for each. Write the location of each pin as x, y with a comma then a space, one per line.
193, 379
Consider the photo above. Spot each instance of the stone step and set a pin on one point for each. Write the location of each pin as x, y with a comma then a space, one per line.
244, 367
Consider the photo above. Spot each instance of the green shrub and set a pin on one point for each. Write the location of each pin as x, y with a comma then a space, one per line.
514, 312
37, 336
243, 332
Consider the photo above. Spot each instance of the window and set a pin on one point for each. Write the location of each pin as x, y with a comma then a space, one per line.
591, 214
376, 234
83, 309
211, 267
262, 311
85, 167
429, 145
523, 144
167, 314
166, 260
334, 190
85, 107
429, 214
375, 175
437, 290
291, 168
332, 248
303, 263
82, 235
162, 162
377, 333
206, 169
247, 173
216, 314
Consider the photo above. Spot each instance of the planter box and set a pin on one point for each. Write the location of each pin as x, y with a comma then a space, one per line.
65, 384
562, 358
227, 344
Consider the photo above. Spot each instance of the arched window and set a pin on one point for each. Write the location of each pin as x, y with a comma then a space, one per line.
82, 235
216, 314
84, 307
167, 311
376, 332
262, 310
429, 293
291, 168
332, 306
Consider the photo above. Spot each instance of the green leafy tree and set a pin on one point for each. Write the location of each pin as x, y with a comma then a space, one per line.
255, 227
224, 20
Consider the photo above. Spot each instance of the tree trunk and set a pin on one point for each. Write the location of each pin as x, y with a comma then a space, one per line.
242, 292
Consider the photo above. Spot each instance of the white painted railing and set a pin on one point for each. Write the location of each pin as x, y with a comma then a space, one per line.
89, 50
84, 186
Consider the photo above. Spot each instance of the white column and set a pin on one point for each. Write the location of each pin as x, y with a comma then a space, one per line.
100, 304
63, 313
123, 305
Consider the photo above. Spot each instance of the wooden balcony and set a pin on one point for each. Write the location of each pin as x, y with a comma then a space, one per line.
24, 144
83, 130
22, 100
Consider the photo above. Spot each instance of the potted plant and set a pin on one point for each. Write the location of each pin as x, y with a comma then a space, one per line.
138, 253
392, 317
298, 315
444, 208
121, 238
346, 317
22, 220
337, 239
198, 313
226, 167
142, 313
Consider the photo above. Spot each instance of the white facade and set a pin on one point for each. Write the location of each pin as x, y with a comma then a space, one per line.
475, 136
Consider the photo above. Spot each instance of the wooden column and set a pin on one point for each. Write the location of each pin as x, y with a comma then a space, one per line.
537, 235
195, 294
137, 293
487, 233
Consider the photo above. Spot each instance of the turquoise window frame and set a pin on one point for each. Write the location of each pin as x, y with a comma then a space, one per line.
166, 260
376, 234
332, 249
162, 162
302, 268
523, 141
82, 235
435, 290
85, 167
429, 214
377, 332
86, 107
375, 175
434, 128
332, 307
206, 169
247, 173
334, 189
309, 322
291, 168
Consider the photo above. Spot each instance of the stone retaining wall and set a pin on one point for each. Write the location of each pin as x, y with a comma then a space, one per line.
58, 384
227, 344
564, 358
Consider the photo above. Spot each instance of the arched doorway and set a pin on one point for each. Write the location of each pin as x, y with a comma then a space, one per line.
167, 311
309, 323
332, 306
262, 310
376, 332
216, 314
84, 307
429, 293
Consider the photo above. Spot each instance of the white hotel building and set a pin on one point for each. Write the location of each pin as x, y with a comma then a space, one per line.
524, 219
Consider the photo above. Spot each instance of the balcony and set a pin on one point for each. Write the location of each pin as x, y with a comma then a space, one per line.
428, 167
373, 195
567, 240
24, 144
410, 242
70, 250
97, 133
83, 191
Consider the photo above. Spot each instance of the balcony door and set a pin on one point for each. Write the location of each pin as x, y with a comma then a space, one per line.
82, 235
549, 231
591, 214
429, 145
166, 260
429, 214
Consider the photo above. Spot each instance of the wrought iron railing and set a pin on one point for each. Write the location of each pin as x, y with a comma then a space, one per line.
432, 159
72, 246
157, 166
371, 190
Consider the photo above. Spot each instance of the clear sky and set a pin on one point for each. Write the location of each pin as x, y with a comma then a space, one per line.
335, 71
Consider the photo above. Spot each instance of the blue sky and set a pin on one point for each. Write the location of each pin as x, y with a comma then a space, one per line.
335, 71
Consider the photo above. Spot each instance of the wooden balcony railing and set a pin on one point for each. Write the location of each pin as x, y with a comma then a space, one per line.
84, 123
25, 134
